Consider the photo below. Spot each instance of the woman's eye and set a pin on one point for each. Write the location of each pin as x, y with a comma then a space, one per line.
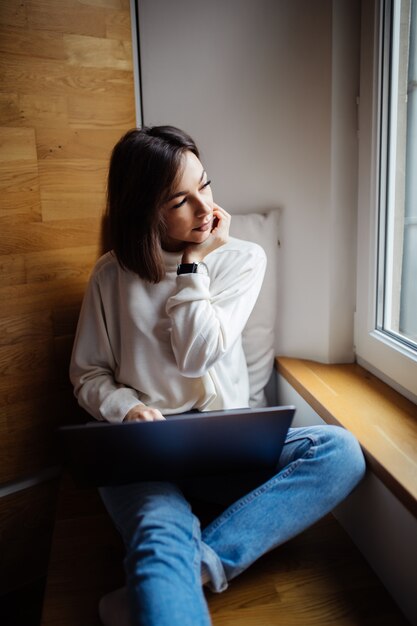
207, 184
177, 206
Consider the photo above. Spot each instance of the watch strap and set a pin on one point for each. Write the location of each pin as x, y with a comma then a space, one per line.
192, 268
187, 268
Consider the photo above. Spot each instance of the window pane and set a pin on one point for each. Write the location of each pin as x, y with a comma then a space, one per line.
397, 304
408, 309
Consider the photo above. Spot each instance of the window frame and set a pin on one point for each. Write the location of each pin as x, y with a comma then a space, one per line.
393, 361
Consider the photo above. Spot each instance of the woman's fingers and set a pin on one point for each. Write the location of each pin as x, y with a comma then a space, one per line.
223, 221
141, 413
218, 236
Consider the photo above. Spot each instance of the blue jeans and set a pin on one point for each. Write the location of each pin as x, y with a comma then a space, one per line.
166, 548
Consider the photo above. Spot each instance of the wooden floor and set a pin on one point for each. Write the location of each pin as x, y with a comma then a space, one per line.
317, 579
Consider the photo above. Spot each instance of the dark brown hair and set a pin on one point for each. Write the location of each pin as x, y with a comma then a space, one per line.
143, 167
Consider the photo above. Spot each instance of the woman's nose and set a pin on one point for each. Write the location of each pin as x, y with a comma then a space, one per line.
202, 207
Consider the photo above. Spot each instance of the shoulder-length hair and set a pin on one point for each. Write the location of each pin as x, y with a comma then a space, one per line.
143, 167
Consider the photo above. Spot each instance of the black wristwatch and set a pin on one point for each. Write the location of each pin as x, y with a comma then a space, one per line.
192, 268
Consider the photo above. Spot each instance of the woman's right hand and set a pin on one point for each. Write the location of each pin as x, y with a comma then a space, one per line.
219, 235
141, 413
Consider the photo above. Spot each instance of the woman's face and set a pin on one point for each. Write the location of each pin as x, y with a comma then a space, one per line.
189, 208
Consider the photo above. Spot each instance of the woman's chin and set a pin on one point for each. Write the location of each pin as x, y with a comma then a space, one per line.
199, 236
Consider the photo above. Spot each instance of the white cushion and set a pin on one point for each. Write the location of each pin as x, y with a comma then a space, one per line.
259, 333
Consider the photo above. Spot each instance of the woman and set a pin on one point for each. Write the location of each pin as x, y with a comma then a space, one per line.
160, 333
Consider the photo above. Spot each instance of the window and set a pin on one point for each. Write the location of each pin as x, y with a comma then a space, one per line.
386, 323
397, 249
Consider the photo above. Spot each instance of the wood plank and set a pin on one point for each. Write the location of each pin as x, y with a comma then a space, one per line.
111, 112
80, 206
44, 111
63, 349
31, 75
77, 143
94, 52
64, 175
20, 204
22, 358
22, 178
20, 237
40, 296
25, 327
17, 144
23, 388
63, 264
22, 451
118, 25
105, 4
65, 319
12, 272
67, 16
12, 13
21, 41
384, 422
9, 109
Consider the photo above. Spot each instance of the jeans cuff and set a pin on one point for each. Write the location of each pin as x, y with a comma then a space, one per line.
211, 565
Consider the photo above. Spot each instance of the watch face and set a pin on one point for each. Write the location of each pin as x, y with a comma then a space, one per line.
192, 268
186, 268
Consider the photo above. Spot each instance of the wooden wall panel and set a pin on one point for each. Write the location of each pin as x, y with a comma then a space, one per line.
66, 96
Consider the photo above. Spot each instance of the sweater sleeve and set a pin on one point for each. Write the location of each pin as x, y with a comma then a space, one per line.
93, 364
208, 314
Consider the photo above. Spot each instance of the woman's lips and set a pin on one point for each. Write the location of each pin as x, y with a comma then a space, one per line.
205, 226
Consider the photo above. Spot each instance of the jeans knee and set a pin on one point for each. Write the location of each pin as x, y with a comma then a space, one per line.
172, 542
166, 525
347, 455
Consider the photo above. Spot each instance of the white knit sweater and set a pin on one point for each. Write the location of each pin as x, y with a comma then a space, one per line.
175, 345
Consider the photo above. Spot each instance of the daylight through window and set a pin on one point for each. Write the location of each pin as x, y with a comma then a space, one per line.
397, 258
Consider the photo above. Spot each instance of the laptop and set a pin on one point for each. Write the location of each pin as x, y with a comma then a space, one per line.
187, 445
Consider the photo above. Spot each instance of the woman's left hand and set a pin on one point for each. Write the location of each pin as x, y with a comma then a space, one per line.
219, 235
142, 413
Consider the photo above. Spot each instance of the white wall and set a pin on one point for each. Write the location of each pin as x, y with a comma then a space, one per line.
268, 89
